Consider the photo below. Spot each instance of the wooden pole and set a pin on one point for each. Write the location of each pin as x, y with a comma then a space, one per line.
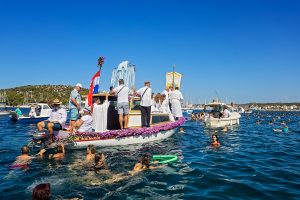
174, 76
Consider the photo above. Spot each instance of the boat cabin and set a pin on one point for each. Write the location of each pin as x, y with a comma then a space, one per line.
134, 117
214, 109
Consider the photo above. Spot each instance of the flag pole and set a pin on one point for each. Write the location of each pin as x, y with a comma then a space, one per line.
174, 76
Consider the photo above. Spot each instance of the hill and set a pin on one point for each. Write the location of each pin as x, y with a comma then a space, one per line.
39, 93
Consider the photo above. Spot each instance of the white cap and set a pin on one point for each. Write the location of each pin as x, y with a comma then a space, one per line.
78, 85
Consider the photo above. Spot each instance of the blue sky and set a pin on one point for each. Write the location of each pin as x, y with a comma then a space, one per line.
245, 50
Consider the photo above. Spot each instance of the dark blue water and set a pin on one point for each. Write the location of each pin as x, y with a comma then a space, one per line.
252, 163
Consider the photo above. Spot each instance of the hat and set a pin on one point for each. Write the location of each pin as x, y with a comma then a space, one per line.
56, 102
87, 108
79, 85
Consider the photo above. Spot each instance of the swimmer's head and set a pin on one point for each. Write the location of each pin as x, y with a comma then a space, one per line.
25, 150
181, 130
214, 137
99, 158
59, 149
41, 191
145, 161
91, 149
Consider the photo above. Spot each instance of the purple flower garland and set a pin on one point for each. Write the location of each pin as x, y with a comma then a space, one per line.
85, 136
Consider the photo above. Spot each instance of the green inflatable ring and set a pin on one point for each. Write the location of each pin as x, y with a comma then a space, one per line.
163, 159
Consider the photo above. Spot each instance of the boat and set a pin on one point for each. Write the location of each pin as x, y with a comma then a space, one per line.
213, 117
162, 127
3, 104
43, 112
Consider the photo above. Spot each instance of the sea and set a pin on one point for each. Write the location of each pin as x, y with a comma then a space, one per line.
253, 162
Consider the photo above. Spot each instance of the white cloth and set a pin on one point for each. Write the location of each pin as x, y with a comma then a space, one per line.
59, 115
87, 125
165, 106
100, 117
156, 107
176, 103
226, 113
166, 93
122, 94
146, 99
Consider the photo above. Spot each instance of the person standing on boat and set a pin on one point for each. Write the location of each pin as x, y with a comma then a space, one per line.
18, 111
145, 94
75, 105
226, 113
56, 121
122, 92
176, 103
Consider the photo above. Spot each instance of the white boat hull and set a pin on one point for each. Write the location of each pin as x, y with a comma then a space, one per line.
125, 140
222, 122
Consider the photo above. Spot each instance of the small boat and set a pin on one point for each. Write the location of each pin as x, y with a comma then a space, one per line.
213, 117
43, 112
4, 113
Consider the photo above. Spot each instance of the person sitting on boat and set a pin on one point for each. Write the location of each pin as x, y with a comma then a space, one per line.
176, 103
32, 112
56, 121
85, 123
90, 153
25, 158
145, 94
100, 114
226, 113
18, 111
215, 141
156, 105
122, 92
38, 110
75, 105
60, 152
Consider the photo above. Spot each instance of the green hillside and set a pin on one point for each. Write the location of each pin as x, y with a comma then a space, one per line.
39, 93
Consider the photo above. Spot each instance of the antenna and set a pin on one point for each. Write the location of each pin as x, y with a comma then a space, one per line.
217, 95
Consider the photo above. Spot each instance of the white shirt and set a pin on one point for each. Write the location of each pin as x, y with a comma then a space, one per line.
176, 95
87, 125
59, 115
226, 113
122, 94
146, 98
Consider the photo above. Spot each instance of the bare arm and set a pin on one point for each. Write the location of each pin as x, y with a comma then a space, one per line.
75, 103
79, 122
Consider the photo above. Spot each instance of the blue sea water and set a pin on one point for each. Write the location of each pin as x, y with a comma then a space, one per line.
253, 162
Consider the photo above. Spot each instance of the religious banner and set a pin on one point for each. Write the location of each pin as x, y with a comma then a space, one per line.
169, 79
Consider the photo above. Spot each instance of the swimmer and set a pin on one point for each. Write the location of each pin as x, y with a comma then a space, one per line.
90, 153
60, 152
225, 129
258, 122
41, 192
100, 162
270, 122
143, 164
181, 130
215, 141
24, 158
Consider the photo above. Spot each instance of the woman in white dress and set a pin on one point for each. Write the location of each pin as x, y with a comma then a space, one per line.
176, 103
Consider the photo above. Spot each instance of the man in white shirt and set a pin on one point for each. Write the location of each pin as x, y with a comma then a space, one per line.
56, 121
145, 94
85, 123
122, 92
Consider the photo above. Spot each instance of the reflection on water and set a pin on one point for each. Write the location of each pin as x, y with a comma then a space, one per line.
252, 162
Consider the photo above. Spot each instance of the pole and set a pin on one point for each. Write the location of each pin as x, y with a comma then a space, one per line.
174, 76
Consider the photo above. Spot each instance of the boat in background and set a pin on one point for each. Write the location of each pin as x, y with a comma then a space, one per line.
213, 117
43, 112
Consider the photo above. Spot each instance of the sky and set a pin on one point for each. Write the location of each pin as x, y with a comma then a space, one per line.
241, 51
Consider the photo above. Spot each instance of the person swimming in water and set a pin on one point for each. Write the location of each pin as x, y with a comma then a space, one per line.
24, 159
90, 153
215, 141
100, 162
60, 152
225, 129
143, 164
181, 130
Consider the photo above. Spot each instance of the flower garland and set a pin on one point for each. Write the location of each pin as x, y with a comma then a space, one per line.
111, 134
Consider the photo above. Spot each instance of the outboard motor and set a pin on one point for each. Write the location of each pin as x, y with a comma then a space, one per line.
14, 117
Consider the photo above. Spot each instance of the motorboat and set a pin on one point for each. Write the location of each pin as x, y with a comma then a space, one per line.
42, 112
213, 115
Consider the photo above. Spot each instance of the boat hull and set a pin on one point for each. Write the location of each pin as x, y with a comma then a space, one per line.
28, 120
125, 140
222, 122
